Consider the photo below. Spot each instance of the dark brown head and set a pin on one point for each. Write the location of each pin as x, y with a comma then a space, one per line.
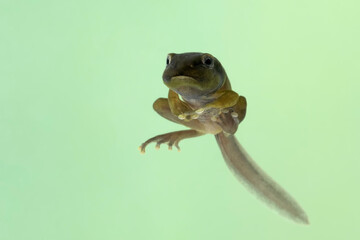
193, 75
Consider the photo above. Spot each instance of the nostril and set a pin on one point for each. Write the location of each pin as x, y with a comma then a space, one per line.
166, 79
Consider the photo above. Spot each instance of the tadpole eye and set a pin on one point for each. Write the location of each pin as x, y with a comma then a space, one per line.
168, 59
208, 61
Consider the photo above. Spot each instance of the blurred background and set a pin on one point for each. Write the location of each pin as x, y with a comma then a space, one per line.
77, 83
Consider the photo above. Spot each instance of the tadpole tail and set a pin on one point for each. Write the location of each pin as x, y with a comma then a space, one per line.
247, 171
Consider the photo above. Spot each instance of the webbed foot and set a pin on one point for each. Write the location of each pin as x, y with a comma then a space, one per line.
171, 139
188, 116
227, 119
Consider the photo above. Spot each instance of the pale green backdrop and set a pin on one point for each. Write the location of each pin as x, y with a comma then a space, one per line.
77, 82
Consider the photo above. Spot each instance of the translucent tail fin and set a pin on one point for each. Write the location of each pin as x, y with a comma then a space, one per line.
257, 180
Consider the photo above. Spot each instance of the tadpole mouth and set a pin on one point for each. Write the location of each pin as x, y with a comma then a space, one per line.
182, 78
177, 78
183, 82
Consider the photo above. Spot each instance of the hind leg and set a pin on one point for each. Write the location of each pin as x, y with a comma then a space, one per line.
161, 106
172, 138
229, 118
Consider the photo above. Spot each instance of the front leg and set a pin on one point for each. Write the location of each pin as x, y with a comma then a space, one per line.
229, 118
223, 99
162, 107
179, 108
171, 139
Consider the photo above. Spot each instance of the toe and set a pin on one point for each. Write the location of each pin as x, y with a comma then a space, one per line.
195, 116
181, 117
214, 118
234, 114
225, 110
200, 110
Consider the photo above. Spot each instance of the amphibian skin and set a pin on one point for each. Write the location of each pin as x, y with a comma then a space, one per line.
200, 98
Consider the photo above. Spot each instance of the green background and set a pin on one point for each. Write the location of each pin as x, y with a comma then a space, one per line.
77, 82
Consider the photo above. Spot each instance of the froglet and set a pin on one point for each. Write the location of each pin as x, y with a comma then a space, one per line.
200, 98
